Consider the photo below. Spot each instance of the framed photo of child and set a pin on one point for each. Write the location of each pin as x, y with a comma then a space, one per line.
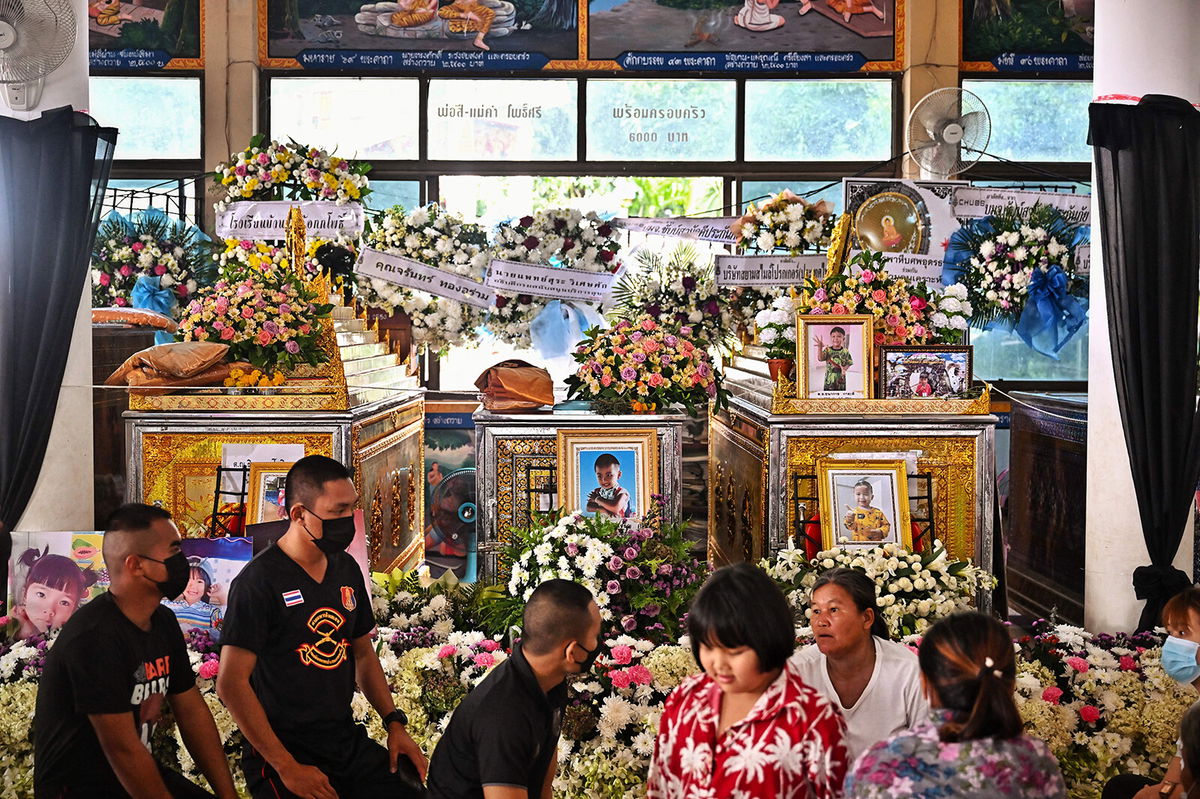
833, 356
864, 503
265, 500
609, 472
51, 575
935, 371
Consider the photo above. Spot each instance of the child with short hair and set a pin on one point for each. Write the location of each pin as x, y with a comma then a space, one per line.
749, 699
609, 497
837, 359
865, 522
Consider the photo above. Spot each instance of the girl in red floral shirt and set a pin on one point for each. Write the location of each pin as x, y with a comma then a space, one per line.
747, 727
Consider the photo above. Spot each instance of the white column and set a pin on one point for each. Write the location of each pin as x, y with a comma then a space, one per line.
64, 496
1141, 48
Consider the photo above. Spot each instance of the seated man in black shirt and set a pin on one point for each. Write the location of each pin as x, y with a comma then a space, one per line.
503, 737
295, 642
114, 663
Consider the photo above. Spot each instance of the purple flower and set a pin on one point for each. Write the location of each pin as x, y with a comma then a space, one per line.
670, 340
628, 373
630, 553
666, 568
613, 587
633, 573
654, 310
271, 328
629, 624
639, 357
292, 346
572, 549
615, 563
651, 609
689, 283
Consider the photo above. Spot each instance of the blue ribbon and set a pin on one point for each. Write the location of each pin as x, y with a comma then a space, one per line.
148, 294
560, 326
961, 248
1051, 315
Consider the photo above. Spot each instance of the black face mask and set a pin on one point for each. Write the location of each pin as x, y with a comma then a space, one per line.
178, 572
586, 665
336, 534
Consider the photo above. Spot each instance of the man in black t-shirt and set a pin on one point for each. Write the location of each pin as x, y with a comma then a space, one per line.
296, 641
117, 659
503, 737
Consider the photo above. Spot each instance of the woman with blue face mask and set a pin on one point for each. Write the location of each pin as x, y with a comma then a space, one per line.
1181, 661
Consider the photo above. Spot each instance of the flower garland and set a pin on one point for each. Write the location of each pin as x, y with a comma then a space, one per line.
1021, 271
275, 171
560, 237
914, 589
640, 363
268, 319
678, 290
152, 245
441, 239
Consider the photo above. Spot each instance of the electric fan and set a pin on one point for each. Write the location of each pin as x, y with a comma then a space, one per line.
36, 36
948, 130
453, 512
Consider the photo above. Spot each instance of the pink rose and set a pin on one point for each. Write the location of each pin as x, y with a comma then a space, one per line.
867, 276
1052, 695
839, 309
227, 334
879, 295
622, 654
104, 279
447, 651
160, 270
649, 324
126, 270
208, 669
655, 380
137, 246
1089, 713
1079, 664
606, 381
485, 660
919, 331
916, 303
264, 338
292, 346
820, 295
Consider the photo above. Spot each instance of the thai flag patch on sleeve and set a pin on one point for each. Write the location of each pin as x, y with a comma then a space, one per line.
293, 597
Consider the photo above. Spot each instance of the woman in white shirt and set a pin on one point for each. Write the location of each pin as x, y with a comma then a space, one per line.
874, 681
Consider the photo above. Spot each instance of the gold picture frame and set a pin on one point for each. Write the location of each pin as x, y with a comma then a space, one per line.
838, 483
264, 478
579, 473
861, 344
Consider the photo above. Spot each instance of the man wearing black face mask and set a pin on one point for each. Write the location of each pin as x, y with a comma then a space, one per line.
502, 738
296, 641
117, 659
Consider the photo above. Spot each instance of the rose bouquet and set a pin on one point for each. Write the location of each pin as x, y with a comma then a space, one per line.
777, 328
641, 364
274, 171
441, 239
675, 289
914, 589
900, 309
1009, 262
148, 244
560, 237
268, 319
1102, 703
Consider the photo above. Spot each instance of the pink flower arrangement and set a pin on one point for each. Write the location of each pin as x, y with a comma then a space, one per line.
631, 367
248, 313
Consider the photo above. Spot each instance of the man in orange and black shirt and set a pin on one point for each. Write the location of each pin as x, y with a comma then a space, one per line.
296, 642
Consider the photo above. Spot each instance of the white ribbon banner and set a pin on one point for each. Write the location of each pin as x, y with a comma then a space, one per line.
715, 229
775, 271
976, 202
423, 277
548, 281
912, 266
268, 220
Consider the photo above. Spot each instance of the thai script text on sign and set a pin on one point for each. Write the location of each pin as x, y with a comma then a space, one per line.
268, 220
711, 229
913, 266
548, 281
775, 271
423, 277
972, 203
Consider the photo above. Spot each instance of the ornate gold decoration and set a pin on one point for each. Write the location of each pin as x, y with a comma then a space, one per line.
784, 401
951, 461
830, 521
375, 531
737, 464
176, 466
839, 246
645, 439
195, 401
396, 507
511, 454
296, 234
414, 521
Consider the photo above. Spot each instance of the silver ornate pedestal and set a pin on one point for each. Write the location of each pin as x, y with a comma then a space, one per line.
517, 459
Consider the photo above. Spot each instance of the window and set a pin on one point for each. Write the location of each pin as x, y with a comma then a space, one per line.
661, 120
157, 117
386, 193
1001, 355
756, 190
818, 120
363, 118
1043, 120
493, 120
177, 199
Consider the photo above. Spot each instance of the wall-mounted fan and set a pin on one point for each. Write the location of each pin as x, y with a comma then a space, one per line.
36, 37
948, 130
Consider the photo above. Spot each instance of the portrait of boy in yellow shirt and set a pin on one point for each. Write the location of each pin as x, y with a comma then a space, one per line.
865, 523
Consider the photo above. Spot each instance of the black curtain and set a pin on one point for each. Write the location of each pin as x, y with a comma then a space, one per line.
1148, 182
53, 172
